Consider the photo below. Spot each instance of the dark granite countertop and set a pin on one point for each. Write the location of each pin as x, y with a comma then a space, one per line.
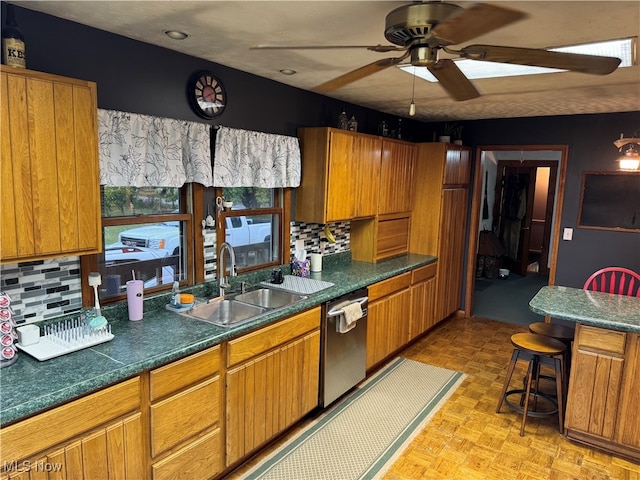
29, 386
615, 312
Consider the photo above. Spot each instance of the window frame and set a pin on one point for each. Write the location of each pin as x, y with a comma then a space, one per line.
89, 263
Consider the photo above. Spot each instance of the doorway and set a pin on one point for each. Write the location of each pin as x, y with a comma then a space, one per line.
523, 213
516, 201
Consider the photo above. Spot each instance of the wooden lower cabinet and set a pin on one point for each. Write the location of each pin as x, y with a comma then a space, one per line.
185, 417
388, 317
272, 381
603, 401
98, 436
423, 289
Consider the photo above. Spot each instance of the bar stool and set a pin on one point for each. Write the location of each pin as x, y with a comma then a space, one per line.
537, 350
559, 332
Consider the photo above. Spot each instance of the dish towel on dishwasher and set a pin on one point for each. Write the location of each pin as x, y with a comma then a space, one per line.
348, 320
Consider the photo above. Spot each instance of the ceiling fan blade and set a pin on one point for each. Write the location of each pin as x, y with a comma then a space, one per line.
373, 48
475, 21
358, 74
542, 58
453, 80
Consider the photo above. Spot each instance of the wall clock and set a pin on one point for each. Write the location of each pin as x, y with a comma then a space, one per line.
206, 94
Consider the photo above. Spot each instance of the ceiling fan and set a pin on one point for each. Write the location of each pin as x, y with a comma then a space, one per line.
421, 29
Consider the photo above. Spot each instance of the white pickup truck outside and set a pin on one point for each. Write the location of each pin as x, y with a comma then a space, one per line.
166, 236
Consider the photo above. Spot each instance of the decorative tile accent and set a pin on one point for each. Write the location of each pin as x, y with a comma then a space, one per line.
313, 236
43, 289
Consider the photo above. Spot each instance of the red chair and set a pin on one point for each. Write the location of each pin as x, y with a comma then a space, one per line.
617, 280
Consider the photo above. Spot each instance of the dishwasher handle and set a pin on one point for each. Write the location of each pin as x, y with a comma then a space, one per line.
334, 312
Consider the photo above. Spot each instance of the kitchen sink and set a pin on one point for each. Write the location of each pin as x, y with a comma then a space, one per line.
225, 312
242, 307
269, 298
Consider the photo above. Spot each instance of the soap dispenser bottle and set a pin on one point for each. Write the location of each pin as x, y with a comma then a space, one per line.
175, 294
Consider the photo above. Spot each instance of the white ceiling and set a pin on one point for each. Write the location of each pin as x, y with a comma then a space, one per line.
224, 31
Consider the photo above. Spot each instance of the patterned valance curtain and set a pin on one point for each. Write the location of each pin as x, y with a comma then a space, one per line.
244, 158
144, 151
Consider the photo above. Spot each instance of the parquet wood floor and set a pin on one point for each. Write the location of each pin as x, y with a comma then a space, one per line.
467, 440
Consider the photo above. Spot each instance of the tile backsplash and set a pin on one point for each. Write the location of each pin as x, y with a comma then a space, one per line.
43, 289
51, 288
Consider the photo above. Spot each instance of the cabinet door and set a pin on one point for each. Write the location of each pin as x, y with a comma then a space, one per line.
340, 197
596, 380
268, 394
387, 325
422, 306
9, 244
51, 143
17, 216
396, 177
115, 451
453, 220
594, 393
628, 432
366, 175
457, 169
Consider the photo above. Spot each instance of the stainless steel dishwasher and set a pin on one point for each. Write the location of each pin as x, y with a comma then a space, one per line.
344, 355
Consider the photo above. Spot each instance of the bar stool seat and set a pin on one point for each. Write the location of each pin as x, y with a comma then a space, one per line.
559, 332
537, 350
554, 330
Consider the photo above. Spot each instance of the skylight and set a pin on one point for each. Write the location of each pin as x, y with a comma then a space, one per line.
474, 69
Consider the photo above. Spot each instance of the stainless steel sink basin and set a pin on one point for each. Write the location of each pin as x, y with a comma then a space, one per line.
269, 298
225, 312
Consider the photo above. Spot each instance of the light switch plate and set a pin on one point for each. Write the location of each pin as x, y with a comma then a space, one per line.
567, 234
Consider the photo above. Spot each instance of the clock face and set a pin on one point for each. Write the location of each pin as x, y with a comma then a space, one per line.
207, 95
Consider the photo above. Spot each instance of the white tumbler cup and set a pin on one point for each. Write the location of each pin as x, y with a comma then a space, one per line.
134, 299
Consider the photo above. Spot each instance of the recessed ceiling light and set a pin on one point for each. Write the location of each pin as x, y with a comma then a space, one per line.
475, 69
175, 34
288, 71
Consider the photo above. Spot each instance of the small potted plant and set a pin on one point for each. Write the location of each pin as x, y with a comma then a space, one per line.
451, 132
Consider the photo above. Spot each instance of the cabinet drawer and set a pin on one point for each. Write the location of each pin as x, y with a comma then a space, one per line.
185, 372
265, 339
184, 414
600, 339
199, 459
34, 434
422, 273
385, 287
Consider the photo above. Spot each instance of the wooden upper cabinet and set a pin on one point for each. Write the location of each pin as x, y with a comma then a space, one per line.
457, 170
366, 175
340, 171
396, 177
50, 174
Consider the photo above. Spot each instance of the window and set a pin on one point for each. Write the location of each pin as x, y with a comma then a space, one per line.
253, 226
144, 234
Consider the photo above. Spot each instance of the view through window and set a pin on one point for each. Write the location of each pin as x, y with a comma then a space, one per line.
144, 235
253, 224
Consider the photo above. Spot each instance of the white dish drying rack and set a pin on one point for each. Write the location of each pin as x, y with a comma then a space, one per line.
65, 337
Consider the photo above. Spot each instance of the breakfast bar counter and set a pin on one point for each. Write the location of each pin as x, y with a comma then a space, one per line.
617, 312
603, 405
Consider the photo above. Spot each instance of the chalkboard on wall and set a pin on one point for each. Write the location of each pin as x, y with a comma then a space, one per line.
610, 201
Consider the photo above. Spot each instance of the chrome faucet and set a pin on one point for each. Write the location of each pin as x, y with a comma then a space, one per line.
223, 282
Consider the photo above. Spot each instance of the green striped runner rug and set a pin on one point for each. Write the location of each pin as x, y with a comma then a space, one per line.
362, 435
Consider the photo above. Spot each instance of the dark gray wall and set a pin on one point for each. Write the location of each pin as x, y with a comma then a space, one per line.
137, 77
